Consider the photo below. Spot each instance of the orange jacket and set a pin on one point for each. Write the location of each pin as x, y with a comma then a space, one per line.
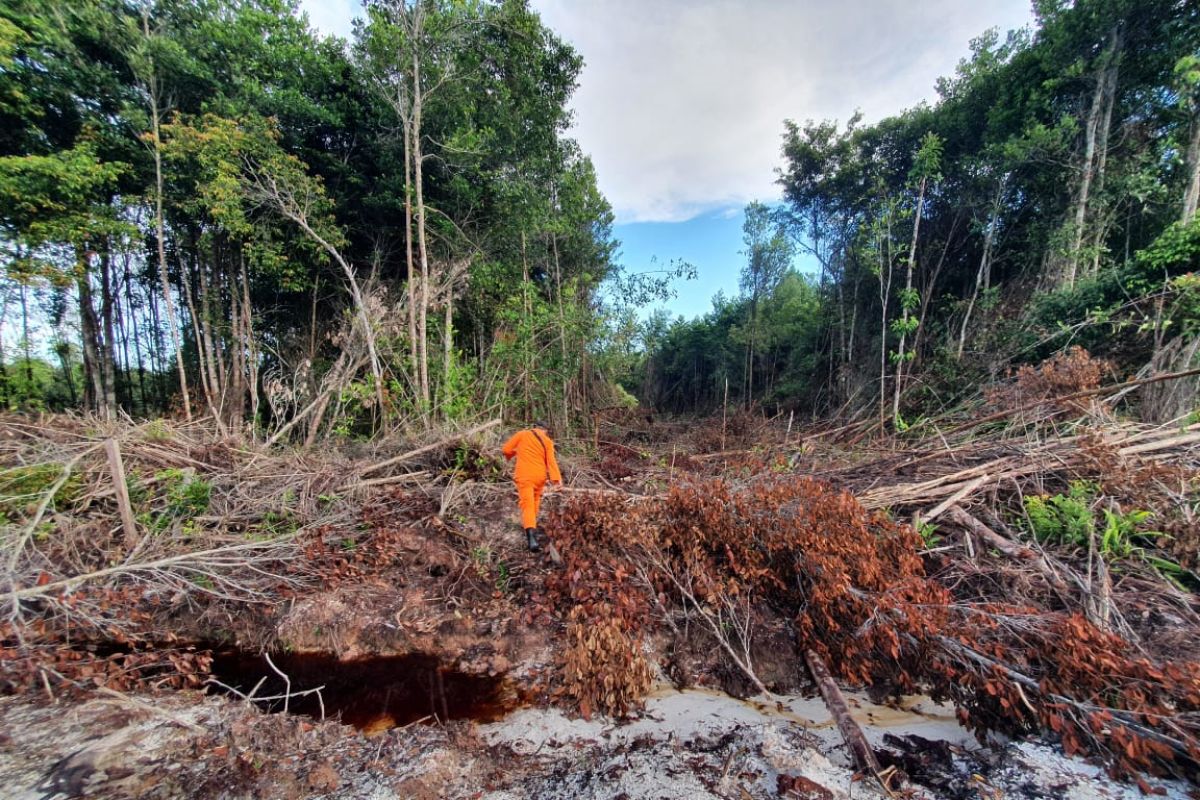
535, 456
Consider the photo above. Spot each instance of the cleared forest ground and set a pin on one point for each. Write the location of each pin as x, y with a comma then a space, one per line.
1030, 573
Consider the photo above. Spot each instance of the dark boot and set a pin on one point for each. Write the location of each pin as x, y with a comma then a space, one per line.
531, 537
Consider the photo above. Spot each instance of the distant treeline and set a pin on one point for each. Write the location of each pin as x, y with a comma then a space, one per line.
1047, 199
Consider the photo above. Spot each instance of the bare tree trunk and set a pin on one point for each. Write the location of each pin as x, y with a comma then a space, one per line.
5, 388
841, 369
152, 87
414, 350
562, 330
251, 348
93, 393
985, 264
107, 351
312, 324
155, 346
850, 344
25, 343
237, 363
928, 290
201, 352
752, 328
528, 344
1110, 92
64, 360
447, 344
1091, 134
423, 249
211, 357
121, 318
885, 294
912, 259
137, 343
1191, 197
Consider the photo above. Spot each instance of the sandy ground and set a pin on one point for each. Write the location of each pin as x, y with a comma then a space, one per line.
690, 745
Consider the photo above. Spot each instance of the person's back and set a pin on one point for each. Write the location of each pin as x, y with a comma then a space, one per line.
536, 464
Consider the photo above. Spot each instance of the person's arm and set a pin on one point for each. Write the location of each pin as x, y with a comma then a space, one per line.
552, 463
510, 447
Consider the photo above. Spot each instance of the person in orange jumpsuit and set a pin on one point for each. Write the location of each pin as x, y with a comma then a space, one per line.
534, 450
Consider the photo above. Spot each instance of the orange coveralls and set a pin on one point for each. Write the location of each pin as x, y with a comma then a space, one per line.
536, 464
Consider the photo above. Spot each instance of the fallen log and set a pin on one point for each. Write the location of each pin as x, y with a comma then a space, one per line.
1006, 545
852, 735
993, 539
411, 454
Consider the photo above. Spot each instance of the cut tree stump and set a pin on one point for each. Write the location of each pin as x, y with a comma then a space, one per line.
121, 490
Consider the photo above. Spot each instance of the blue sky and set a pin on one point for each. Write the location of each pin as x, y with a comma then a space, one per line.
710, 242
681, 103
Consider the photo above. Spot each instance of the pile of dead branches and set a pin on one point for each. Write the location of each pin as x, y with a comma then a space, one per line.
124, 537
853, 586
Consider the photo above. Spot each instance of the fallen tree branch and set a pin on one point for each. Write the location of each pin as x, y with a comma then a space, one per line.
128, 569
950, 502
999, 415
1006, 545
421, 450
852, 735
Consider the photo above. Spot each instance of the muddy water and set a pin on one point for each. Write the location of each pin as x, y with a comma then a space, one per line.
376, 694
700, 712
914, 714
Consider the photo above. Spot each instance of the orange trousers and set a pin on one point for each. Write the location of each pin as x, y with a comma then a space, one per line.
529, 495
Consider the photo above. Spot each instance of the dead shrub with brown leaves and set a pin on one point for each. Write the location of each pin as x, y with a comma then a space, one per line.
1056, 378
853, 584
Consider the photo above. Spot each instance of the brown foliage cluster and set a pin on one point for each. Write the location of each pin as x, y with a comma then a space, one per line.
1139, 482
811, 553
114, 642
617, 461
1063, 374
63, 670
1059, 673
855, 589
602, 666
605, 606
339, 560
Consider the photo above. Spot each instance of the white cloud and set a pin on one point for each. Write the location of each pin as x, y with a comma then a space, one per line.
681, 103
332, 16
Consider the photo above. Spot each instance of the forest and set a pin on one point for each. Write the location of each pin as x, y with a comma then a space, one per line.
398, 230
915, 512
209, 208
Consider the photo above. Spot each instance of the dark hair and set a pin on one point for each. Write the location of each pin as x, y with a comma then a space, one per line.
537, 423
